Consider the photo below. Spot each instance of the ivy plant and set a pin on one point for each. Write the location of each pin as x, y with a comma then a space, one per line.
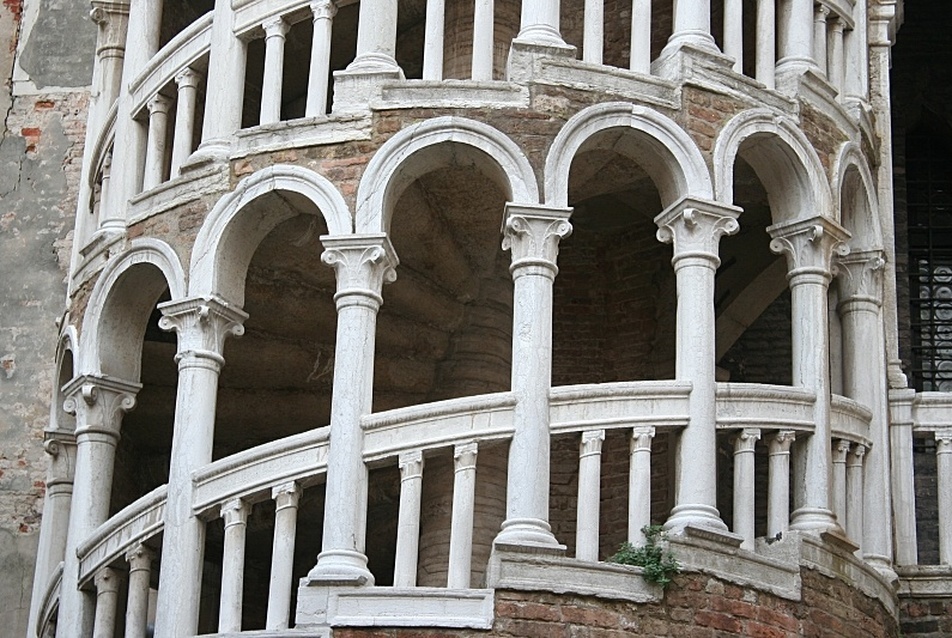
657, 563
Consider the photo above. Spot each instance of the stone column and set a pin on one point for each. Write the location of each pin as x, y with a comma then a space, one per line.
902, 476
376, 37
857, 52
821, 14
593, 38
854, 495
841, 449
864, 353
539, 24
796, 42
202, 324
112, 18
285, 498
589, 495
461, 526
107, 602
408, 522
99, 403
640, 50
362, 263
734, 32
158, 132
943, 452
482, 67
639, 483
187, 82
224, 95
322, 12
140, 575
695, 228
275, 33
532, 234
778, 480
433, 40
744, 485
235, 512
835, 60
809, 246
765, 63
692, 25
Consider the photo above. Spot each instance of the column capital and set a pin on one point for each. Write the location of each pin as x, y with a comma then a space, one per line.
841, 449
821, 12
861, 276
106, 580
286, 495
591, 442
187, 78
856, 455
641, 438
809, 245
465, 455
276, 26
411, 464
781, 441
943, 441
99, 401
533, 234
363, 263
61, 446
323, 9
882, 15
158, 103
695, 227
235, 512
202, 324
140, 557
746, 440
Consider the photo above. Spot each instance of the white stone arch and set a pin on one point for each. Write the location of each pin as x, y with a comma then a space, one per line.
672, 160
856, 200
68, 343
228, 239
783, 159
391, 170
113, 329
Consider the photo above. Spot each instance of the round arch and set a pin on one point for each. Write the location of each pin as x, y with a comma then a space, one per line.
783, 160
853, 192
228, 238
673, 161
391, 171
120, 304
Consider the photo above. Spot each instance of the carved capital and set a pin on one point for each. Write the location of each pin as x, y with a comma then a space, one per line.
99, 401
158, 103
943, 441
140, 558
286, 495
857, 453
861, 276
780, 442
641, 439
107, 581
187, 78
323, 9
591, 443
809, 246
841, 449
533, 234
411, 465
746, 440
61, 446
363, 263
695, 228
465, 455
275, 27
202, 324
235, 512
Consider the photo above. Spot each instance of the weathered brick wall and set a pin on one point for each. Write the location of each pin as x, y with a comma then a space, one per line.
925, 617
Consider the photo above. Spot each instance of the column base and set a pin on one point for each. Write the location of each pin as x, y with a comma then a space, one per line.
359, 84
525, 58
527, 532
703, 516
340, 567
815, 520
883, 565
209, 151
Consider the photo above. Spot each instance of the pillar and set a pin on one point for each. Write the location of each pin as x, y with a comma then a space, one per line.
322, 13
224, 94
835, 60
532, 234
855, 493
841, 449
285, 498
112, 18
362, 264
943, 455
902, 476
376, 37
107, 602
461, 526
734, 32
692, 25
433, 40
639, 483
539, 24
858, 46
186, 82
765, 56
593, 38
140, 576
408, 521
275, 33
796, 43
158, 131
695, 228
589, 495
821, 14
778, 483
745, 480
640, 54
235, 512
482, 68
809, 246
201, 324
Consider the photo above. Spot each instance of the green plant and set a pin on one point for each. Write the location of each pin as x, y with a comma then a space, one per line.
658, 564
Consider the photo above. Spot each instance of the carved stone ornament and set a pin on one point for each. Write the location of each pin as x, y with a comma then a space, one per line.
533, 234
98, 401
810, 245
363, 263
202, 325
861, 276
695, 227
323, 9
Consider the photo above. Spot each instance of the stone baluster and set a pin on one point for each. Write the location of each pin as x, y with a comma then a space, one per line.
202, 324
275, 33
857, 47
224, 96
107, 602
765, 55
734, 32
639, 483
589, 495
692, 25
841, 449
532, 233
855, 493
821, 14
640, 54
901, 477
158, 132
482, 67
433, 40
362, 264
104, 187
186, 82
860, 285
593, 39
695, 228
836, 62
461, 528
140, 579
285, 499
796, 38
99, 403
809, 246
376, 37
235, 512
322, 12
943, 455
408, 521
744, 485
778, 482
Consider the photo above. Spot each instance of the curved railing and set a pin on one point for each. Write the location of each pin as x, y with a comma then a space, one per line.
50, 602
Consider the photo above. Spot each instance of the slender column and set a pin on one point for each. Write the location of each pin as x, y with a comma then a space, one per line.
695, 228
796, 45
864, 351
235, 512
692, 24
140, 575
362, 263
820, 15
408, 522
639, 483
285, 498
112, 18
187, 82
202, 324
533, 235
323, 12
734, 32
765, 56
809, 246
99, 403
640, 59
224, 96
540, 23
461, 530
483, 40
943, 452
107, 602
158, 131
841, 449
433, 40
854, 493
593, 39
857, 51
744, 485
778, 480
901, 476
589, 495
376, 37
275, 33
836, 62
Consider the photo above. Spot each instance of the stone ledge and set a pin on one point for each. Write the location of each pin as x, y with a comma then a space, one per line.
925, 581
